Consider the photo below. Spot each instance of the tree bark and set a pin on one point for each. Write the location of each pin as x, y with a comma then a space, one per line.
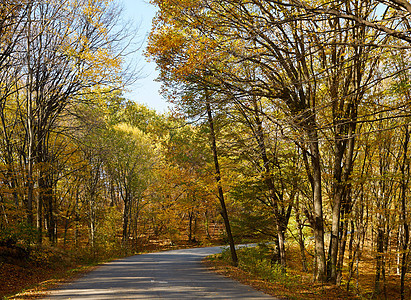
403, 217
281, 217
39, 215
218, 180
126, 217
317, 221
30, 126
300, 235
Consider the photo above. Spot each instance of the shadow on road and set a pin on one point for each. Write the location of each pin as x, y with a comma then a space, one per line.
176, 274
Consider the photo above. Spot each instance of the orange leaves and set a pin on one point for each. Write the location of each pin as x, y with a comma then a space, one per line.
165, 43
180, 52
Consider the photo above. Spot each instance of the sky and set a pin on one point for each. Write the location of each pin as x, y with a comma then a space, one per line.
145, 90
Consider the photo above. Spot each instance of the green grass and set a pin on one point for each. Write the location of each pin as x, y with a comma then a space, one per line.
258, 261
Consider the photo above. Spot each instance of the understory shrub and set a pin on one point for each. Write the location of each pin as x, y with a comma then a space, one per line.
258, 261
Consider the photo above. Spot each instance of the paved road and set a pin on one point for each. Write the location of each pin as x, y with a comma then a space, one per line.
176, 274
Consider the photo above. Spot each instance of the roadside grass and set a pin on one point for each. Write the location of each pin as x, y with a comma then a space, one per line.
256, 269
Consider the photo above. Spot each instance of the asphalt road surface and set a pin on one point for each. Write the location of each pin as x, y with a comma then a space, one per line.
176, 274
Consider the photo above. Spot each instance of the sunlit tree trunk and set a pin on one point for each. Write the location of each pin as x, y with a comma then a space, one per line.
300, 234
218, 180
29, 128
282, 217
404, 232
317, 220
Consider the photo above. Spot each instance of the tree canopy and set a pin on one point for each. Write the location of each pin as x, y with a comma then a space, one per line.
290, 126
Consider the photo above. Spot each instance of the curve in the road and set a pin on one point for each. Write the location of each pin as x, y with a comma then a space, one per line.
176, 274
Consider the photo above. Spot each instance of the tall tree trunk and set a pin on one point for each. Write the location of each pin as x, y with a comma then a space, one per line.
93, 218
342, 170
49, 201
341, 249
334, 240
39, 215
30, 126
207, 224
92, 228
126, 217
351, 255
300, 234
218, 180
403, 216
66, 226
379, 269
316, 218
136, 216
281, 217
190, 225
76, 219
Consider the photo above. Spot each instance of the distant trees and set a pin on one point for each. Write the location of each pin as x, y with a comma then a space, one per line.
129, 160
55, 55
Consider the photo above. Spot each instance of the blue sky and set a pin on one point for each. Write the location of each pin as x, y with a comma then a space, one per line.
145, 90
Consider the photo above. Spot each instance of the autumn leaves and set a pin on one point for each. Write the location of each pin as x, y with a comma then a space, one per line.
303, 74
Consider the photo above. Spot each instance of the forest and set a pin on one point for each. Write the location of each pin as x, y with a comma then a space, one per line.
289, 126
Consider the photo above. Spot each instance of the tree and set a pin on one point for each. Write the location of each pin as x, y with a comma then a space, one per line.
261, 49
300, 101
180, 67
388, 17
129, 159
58, 68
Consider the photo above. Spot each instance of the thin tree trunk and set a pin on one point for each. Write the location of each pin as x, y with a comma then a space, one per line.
39, 216
66, 225
49, 209
207, 225
351, 256
341, 249
190, 226
379, 260
30, 127
280, 218
125, 221
403, 217
300, 235
218, 180
92, 230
